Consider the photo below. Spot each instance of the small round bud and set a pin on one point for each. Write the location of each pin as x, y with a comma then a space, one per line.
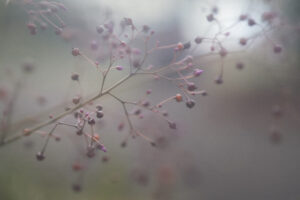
190, 103
40, 156
75, 52
277, 49
191, 86
136, 64
105, 159
75, 77
179, 46
197, 72
90, 152
198, 40
210, 17
119, 68
99, 29
172, 125
240, 65
219, 80
77, 167
243, 17
268, 16
99, 107
165, 113
94, 45
187, 45
137, 111
28, 67
153, 144
123, 144
99, 114
243, 41
76, 100
79, 132
178, 97
32, 28
76, 187
223, 52
145, 103
204, 93
251, 22
146, 28
91, 121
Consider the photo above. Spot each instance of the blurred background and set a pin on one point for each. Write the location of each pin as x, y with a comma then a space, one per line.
241, 141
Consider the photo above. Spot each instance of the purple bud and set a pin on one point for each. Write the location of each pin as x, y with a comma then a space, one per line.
197, 72
120, 68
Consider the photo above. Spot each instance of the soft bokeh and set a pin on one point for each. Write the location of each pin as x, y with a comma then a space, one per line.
231, 145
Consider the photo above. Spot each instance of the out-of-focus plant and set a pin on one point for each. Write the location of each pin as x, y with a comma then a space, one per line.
120, 43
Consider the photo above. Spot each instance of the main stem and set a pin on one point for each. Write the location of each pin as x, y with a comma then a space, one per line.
30, 131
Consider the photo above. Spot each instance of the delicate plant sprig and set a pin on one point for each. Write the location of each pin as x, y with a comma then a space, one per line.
182, 71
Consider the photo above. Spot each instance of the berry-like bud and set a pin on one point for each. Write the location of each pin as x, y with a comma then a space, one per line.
190, 103
91, 121
99, 29
137, 111
277, 49
179, 46
172, 125
146, 28
210, 17
99, 107
243, 17
94, 45
75, 52
40, 156
76, 167
178, 97
197, 72
223, 52
251, 22
153, 144
219, 80
123, 144
76, 187
187, 45
75, 77
191, 86
198, 40
76, 100
120, 68
243, 41
79, 132
105, 159
240, 65
99, 114
90, 152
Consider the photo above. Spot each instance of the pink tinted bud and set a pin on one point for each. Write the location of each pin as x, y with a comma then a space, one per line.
277, 49
210, 17
120, 68
75, 52
197, 72
243, 41
243, 17
149, 91
223, 52
94, 45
